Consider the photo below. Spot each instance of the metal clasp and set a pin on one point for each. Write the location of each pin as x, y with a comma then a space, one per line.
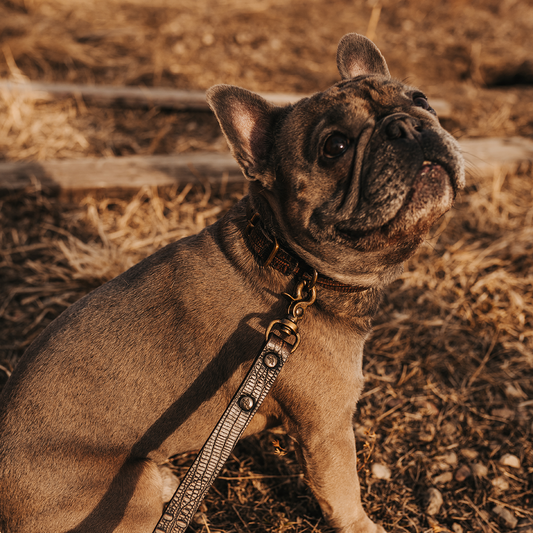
305, 295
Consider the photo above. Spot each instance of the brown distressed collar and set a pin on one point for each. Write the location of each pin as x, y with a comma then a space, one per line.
269, 253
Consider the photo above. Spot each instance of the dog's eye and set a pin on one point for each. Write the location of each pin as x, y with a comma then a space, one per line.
421, 101
335, 145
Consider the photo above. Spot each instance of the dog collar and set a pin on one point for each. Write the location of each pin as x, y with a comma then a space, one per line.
270, 254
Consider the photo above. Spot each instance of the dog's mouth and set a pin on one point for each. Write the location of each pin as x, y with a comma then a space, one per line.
433, 169
430, 196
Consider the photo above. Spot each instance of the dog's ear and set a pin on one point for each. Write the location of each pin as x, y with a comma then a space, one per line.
358, 55
247, 121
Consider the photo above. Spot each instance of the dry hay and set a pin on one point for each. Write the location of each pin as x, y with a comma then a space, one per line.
449, 366
52, 254
34, 130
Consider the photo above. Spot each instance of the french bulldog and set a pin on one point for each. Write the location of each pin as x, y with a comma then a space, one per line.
344, 183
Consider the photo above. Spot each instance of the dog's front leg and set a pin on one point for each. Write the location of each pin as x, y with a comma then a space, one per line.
328, 456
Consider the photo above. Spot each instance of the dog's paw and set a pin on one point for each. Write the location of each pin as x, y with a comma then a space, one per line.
170, 483
366, 526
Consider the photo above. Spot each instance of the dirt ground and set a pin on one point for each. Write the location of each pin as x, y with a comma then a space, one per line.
448, 400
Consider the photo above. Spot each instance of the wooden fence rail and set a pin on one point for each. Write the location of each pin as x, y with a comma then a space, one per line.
483, 158
177, 99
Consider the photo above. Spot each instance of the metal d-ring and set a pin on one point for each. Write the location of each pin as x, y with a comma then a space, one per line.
272, 253
287, 326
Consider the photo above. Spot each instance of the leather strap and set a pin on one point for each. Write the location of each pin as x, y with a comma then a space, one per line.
267, 250
222, 440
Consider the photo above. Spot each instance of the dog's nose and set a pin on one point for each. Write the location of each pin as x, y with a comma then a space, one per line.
400, 126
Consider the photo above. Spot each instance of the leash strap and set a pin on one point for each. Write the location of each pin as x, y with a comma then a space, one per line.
224, 437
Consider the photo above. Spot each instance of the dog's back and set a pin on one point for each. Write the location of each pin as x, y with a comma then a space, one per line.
102, 390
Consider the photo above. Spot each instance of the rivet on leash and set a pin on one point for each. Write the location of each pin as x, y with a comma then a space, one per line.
271, 360
246, 403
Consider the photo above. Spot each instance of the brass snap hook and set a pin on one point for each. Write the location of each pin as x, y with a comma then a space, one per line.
311, 284
305, 295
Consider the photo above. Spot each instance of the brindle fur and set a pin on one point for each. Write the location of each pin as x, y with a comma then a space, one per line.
142, 368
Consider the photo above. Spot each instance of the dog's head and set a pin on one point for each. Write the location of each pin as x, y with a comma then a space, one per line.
355, 175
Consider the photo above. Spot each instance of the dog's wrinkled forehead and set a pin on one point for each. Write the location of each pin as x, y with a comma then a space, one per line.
374, 96
378, 91
347, 107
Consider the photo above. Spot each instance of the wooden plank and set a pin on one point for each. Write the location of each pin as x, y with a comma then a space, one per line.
181, 100
131, 172
486, 156
483, 158
177, 99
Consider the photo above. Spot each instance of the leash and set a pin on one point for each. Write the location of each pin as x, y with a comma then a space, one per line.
247, 400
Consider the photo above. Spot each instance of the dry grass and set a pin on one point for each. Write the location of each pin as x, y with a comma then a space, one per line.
52, 253
450, 364
36, 130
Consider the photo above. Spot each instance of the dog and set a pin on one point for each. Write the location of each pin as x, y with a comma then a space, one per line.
344, 183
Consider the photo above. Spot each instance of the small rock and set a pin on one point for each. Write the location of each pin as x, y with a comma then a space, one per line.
457, 528
450, 458
507, 516
479, 470
428, 433
434, 501
200, 519
208, 39
510, 460
462, 473
380, 471
500, 483
441, 466
276, 44
513, 392
431, 409
469, 454
449, 429
244, 38
441, 479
